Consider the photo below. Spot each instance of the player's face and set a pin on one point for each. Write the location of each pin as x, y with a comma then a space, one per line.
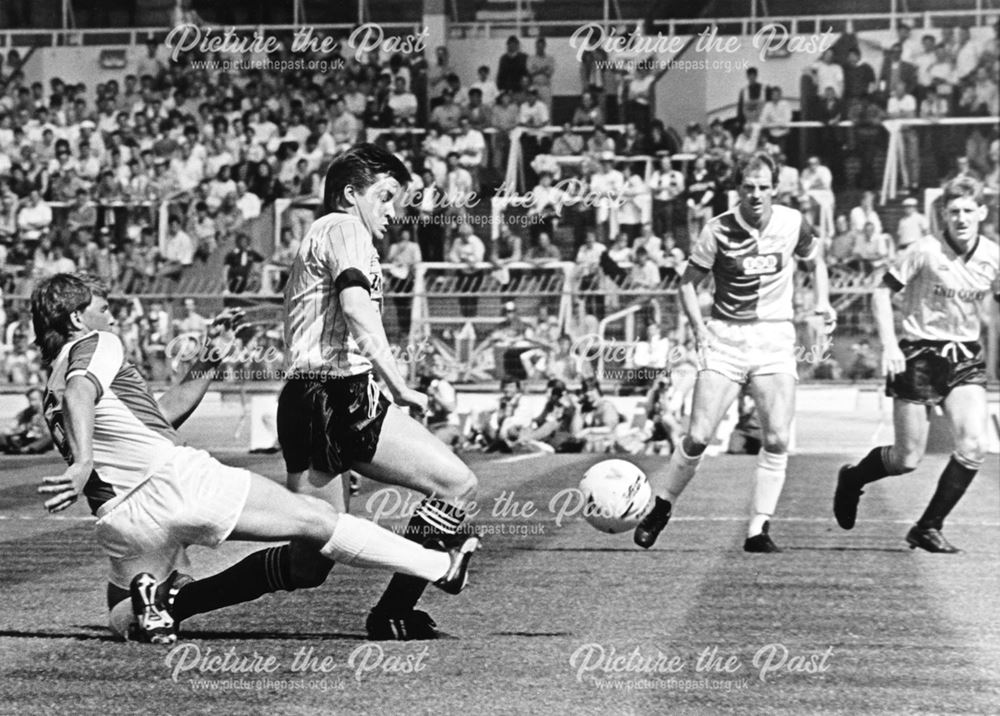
97, 315
376, 206
756, 191
962, 216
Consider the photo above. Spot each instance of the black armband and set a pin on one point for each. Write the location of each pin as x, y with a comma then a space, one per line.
352, 277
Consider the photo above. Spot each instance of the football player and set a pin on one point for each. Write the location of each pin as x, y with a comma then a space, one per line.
942, 282
332, 416
751, 251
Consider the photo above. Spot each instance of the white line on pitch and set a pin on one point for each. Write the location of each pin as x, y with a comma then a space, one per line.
518, 458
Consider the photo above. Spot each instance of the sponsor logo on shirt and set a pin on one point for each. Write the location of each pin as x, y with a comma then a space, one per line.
760, 264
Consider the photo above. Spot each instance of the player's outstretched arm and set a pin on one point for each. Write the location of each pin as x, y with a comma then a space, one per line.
893, 361
366, 327
78, 422
180, 402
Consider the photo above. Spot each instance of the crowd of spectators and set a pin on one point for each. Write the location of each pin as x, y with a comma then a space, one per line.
84, 170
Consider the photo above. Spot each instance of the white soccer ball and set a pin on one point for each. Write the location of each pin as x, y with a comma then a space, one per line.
616, 495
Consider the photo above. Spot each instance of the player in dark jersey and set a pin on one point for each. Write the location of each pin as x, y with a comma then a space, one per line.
943, 282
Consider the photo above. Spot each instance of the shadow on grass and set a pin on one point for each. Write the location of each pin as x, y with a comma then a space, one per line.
94, 633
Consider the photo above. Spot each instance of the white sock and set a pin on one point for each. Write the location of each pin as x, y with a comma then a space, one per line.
679, 473
769, 478
121, 617
361, 543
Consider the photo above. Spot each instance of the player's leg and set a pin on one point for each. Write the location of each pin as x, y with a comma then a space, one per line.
774, 395
714, 393
414, 458
910, 426
967, 414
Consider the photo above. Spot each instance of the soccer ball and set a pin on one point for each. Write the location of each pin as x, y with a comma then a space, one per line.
616, 495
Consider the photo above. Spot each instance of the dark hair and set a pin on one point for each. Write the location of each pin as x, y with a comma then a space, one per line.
590, 384
359, 168
756, 161
53, 302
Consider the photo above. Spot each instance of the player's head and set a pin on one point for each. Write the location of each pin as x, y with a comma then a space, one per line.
64, 305
963, 208
756, 179
363, 182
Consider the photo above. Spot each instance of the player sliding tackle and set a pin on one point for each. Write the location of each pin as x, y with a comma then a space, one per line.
939, 361
751, 252
332, 417
153, 497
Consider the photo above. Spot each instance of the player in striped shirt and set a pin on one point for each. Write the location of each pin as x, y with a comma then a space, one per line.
939, 361
751, 252
332, 416
153, 496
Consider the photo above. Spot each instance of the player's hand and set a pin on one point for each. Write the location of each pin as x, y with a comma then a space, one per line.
228, 319
893, 360
65, 488
413, 399
829, 318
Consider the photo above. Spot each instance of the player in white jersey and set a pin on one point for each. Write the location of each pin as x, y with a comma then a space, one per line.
939, 361
751, 252
153, 497
332, 417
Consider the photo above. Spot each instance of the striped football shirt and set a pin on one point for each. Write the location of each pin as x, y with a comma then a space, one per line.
942, 292
754, 269
131, 435
317, 337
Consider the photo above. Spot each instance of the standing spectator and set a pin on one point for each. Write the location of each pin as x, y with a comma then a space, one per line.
750, 103
903, 105
468, 249
588, 272
402, 102
896, 70
437, 75
239, 264
503, 117
923, 61
545, 207
636, 204
201, 227
841, 245
776, 116
967, 55
859, 83
606, 190
512, 67
667, 187
588, 113
540, 68
700, 192
872, 249
828, 74
404, 255
912, 225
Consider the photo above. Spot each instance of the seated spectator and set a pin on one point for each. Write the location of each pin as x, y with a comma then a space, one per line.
202, 229
402, 102
695, 141
28, 433
8, 216
544, 252
82, 213
864, 214
239, 264
275, 271
600, 144
841, 247
864, 363
533, 112
588, 114
788, 187
775, 117
178, 249
446, 115
470, 146
872, 249
486, 86
478, 114
552, 430
248, 203
34, 217
495, 430
747, 142
567, 143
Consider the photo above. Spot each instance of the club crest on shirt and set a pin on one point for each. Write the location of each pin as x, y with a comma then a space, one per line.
760, 264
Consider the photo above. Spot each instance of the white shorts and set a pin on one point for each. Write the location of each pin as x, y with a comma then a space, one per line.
740, 351
191, 499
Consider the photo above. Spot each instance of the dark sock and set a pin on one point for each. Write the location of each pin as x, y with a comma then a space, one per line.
871, 468
260, 573
433, 519
951, 486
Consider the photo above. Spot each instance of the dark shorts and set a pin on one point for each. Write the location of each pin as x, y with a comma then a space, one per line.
330, 424
933, 370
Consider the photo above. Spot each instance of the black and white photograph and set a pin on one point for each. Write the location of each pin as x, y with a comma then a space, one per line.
499, 357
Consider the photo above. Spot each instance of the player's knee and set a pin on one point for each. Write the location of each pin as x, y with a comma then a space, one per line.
970, 452
906, 460
693, 444
775, 441
308, 568
316, 520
